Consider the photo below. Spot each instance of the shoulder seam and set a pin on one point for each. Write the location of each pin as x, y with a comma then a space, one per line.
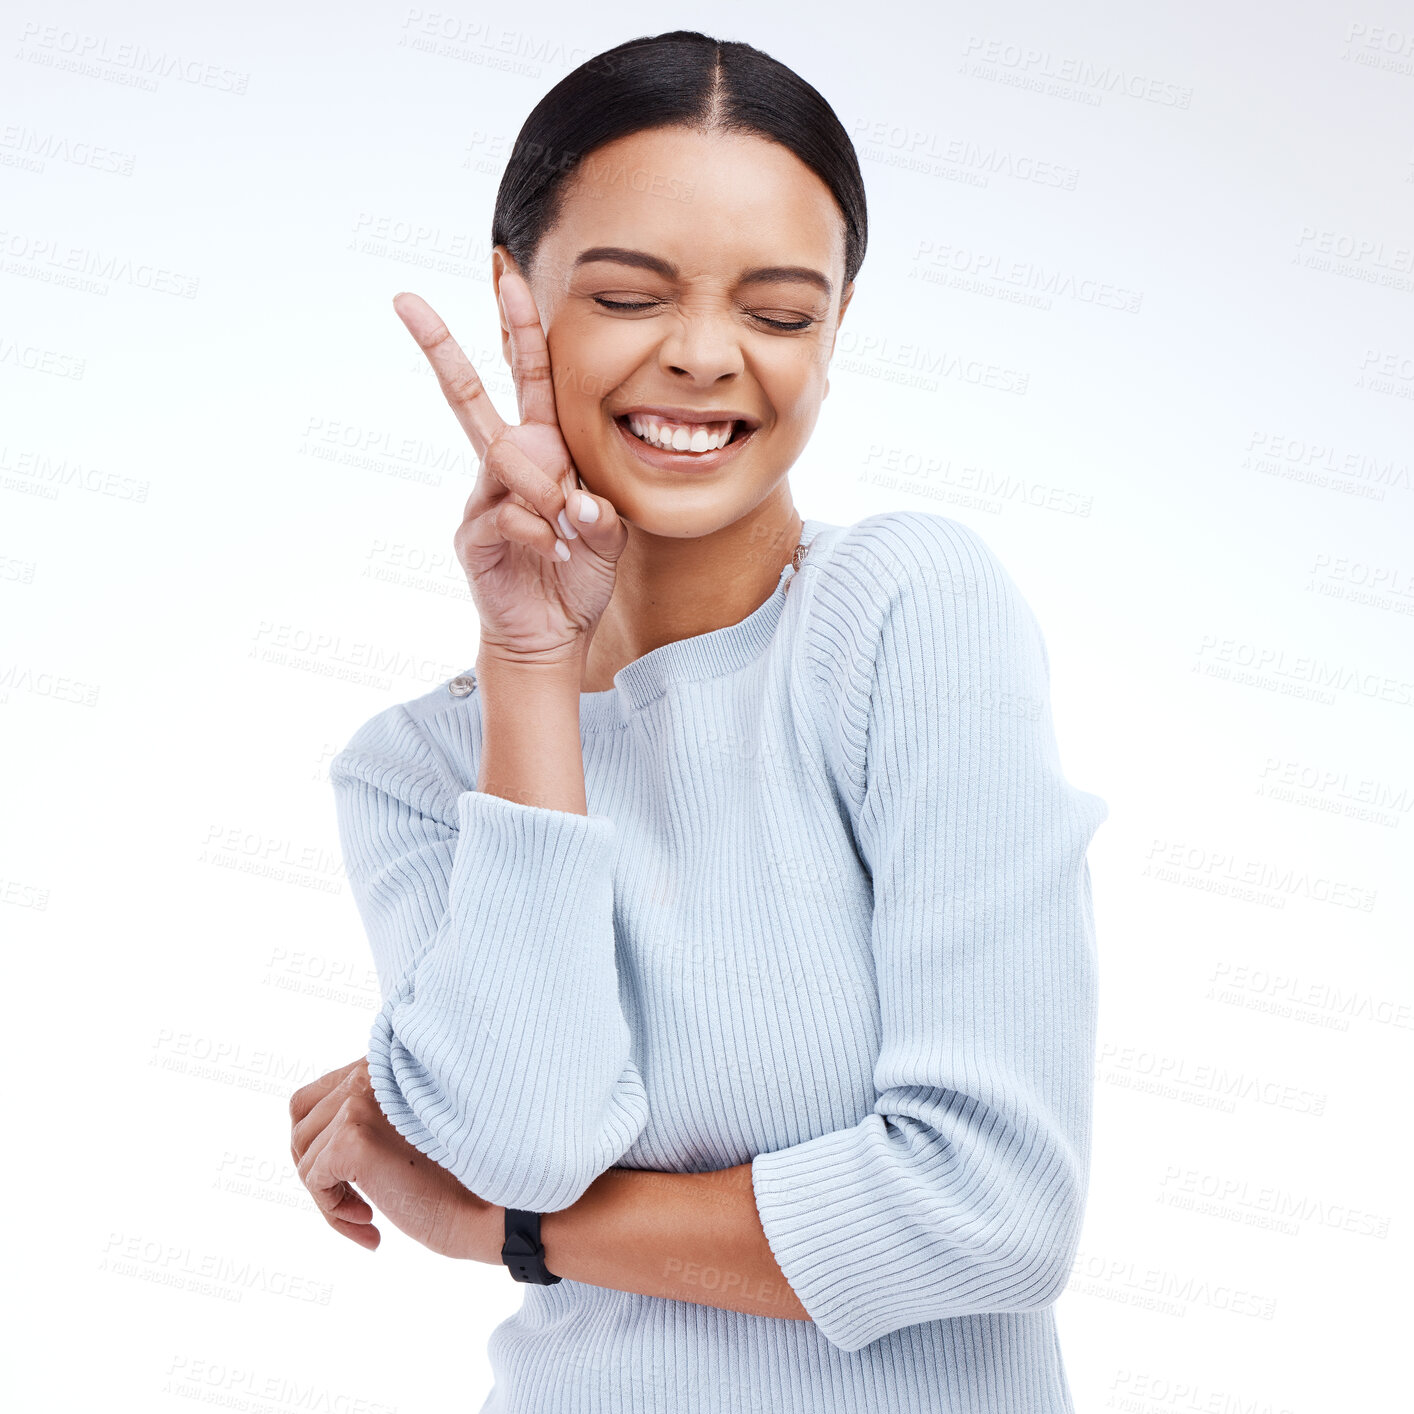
448, 779
844, 696
429, 782
818, 684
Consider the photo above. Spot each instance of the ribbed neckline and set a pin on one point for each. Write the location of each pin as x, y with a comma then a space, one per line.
702, 655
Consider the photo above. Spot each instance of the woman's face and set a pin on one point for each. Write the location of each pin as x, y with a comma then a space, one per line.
733, 252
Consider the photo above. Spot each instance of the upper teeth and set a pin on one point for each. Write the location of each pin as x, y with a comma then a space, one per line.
681, 436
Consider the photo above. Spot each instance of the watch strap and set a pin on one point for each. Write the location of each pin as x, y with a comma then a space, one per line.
522, 1251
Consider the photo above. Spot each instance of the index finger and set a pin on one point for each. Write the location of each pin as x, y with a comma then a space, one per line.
460, 382
307, 1096
530, 355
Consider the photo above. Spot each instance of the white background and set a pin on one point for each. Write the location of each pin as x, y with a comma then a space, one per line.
1138, 306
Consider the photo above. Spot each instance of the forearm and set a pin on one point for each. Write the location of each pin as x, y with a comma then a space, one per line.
503, 908
530, 743
686, 1236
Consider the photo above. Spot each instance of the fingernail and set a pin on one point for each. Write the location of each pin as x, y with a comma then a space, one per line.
566, 529
588, 509
562, 550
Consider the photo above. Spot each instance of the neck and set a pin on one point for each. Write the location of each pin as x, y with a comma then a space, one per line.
667, 587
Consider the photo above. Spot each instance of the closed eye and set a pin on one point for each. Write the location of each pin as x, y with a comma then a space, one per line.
779, 324
652, 304
620, 304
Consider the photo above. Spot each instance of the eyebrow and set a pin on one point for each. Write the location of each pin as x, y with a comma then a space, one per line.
619, 255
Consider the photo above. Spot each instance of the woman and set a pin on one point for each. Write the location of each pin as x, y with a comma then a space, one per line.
732, 915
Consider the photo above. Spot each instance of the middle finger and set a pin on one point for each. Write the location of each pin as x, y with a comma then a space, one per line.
530, 355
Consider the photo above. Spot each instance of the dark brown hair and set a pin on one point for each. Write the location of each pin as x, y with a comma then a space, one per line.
682, 78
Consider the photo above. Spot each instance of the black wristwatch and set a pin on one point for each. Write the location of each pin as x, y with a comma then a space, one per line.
522, 1251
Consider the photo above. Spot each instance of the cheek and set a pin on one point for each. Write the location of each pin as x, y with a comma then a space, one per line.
796, 384
589, 364
573, 373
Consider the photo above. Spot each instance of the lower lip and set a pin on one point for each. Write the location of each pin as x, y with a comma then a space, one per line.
684, 461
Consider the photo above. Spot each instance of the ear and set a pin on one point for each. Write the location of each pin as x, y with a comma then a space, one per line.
844, 305
501, 261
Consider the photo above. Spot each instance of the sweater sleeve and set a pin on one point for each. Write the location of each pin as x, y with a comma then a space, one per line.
501, 1050
964, 1189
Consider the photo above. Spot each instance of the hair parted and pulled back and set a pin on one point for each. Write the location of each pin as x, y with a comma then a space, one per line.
682, 78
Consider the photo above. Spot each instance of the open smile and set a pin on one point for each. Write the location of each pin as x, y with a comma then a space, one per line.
667, 459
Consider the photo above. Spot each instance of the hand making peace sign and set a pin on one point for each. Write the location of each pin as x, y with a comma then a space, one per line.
536, 601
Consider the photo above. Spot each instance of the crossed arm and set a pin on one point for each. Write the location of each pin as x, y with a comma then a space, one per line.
961, 1193
686, 1236
691, 1237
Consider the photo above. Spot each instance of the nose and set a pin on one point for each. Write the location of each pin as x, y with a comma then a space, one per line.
702, 347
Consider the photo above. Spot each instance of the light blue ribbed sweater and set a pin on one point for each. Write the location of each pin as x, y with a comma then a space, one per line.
829, 913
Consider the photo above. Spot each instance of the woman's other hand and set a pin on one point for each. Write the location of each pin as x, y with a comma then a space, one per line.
537, 602
339, 1137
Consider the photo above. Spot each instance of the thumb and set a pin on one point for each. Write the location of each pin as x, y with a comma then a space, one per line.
596, 520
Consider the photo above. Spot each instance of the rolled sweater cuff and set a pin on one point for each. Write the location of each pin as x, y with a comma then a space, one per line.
505, 1055
874, 1233
516, 840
